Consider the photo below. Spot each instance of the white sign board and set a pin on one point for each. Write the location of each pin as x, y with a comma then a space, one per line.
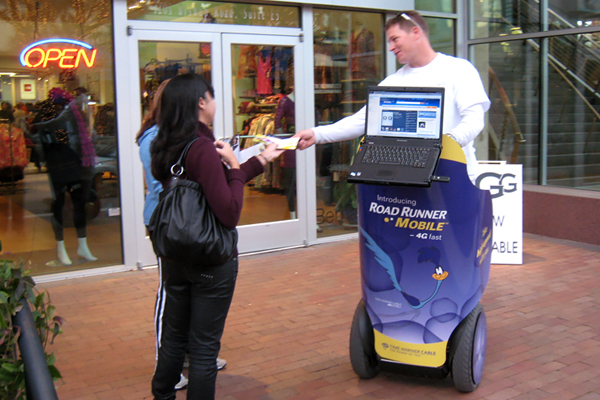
505, 183
28, 89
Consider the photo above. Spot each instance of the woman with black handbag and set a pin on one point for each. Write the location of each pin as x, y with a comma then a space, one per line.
197, 296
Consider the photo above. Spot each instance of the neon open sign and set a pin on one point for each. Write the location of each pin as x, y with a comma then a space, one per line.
34, 56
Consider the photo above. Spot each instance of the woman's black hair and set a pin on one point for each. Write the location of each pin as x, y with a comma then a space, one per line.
178, 121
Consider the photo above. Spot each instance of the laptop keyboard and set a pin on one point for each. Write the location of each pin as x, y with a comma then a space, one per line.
406, 156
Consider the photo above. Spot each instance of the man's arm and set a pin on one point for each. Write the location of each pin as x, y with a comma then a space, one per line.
348, 128
471, 124
471, 102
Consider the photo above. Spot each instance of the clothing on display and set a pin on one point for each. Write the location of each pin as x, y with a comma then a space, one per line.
247, 61
156, 71
362, 53
265, 81
263, 76
13, 153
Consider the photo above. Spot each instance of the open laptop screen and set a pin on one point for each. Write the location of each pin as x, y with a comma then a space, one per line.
404, 112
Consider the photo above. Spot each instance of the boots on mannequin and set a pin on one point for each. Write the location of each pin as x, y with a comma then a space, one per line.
61, 252
84, 251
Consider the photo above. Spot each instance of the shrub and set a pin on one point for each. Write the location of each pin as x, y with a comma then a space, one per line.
17, 285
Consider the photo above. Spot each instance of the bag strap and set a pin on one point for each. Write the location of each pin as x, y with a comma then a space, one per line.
178, 168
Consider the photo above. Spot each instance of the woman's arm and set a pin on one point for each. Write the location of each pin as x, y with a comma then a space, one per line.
224, 189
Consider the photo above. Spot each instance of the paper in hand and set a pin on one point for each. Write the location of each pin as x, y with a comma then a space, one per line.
282, 144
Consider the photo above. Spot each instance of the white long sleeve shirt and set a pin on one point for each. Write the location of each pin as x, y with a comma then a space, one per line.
465, 103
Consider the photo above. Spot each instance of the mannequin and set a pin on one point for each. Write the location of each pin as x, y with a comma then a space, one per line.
70, 158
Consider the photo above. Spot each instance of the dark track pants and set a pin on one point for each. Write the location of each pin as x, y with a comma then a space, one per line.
191, 309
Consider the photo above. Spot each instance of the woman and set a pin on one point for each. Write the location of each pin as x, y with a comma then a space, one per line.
197, 298
144, 138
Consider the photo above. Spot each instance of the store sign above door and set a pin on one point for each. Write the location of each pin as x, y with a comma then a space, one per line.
217, 13
62, 53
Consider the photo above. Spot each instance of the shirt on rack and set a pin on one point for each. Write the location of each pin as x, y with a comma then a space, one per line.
263, 76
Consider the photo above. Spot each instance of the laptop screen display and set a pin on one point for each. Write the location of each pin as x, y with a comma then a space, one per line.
405, 113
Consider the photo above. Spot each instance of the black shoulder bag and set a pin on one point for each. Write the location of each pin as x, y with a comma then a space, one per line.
184, 229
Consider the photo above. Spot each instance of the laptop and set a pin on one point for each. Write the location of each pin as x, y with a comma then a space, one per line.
403, 137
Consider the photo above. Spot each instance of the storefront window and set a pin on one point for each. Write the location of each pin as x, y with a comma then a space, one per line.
511, 133
59, 199
495, 18
215, 13
447, 6
442, 35
264, 104
498, 18
556, 147
349, 56
159, 61
572, 14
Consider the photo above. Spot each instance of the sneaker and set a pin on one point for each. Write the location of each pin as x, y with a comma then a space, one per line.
220, 363
183, 382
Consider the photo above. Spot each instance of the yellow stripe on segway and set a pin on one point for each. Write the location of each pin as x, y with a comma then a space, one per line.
452, 151
425, 355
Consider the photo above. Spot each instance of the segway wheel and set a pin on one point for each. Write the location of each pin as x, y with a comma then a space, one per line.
363, 357
467, 364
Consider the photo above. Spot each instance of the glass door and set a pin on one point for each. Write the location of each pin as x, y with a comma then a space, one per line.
159, 56
254, 88
259, 81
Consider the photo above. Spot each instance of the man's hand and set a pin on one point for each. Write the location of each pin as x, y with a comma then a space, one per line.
307, 138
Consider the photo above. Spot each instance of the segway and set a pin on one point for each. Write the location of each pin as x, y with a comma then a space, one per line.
425, 257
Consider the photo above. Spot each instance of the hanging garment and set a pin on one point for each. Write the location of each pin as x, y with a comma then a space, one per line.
247, 62
13, 151
362, 54
263, 76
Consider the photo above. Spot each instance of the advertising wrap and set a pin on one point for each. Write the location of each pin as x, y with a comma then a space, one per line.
425, 259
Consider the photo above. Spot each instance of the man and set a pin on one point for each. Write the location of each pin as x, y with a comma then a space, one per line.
465, 98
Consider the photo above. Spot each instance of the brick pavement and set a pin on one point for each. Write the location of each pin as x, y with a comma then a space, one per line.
287, 332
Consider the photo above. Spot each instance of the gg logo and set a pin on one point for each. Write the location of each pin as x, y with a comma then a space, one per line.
496, 183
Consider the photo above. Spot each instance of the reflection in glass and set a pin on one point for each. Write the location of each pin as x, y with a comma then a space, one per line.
447, 6
59, 199
497, 18
573, 119
442, 35
158, 62
572, 14
573, 133
263, 104
511, 70
349, 56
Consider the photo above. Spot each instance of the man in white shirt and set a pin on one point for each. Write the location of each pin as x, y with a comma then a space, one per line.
465, 98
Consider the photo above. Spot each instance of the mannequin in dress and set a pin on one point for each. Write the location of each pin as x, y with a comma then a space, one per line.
70, 158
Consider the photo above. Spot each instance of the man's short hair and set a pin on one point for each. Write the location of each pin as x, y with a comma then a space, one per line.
406, 20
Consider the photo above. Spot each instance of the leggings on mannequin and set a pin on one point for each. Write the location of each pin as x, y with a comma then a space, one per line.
79, 192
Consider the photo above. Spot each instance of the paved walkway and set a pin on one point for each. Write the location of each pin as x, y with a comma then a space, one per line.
287, 332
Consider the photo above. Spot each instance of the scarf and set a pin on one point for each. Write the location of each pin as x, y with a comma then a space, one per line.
88, 155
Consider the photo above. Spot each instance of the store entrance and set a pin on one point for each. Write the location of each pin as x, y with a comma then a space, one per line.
254, 80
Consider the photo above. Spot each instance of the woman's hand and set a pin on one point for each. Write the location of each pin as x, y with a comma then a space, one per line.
270, 153
226, 153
